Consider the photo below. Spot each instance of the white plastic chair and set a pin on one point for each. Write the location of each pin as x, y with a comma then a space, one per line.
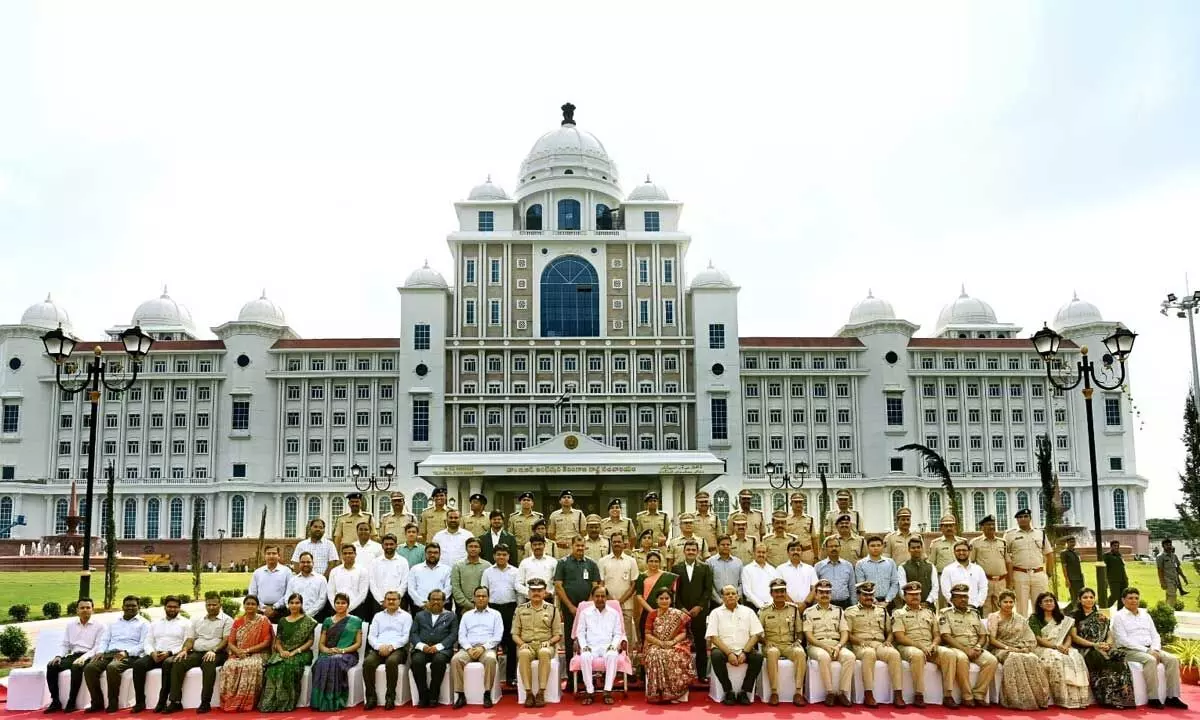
737, 676
1140, 697
787, 681
553, 692
933, 683
445, 692
27, 686
473, 688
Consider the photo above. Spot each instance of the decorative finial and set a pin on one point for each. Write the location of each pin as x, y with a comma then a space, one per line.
568, 111
164, 290
264, 294
963, 290
489, 179
48, 298
426, 265
870, 294
647, 178
710, 265
1074, 296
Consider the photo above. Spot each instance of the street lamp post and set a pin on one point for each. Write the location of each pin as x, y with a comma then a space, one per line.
220, 548
1187, 307
1119, 345
373, 484
779, 478
59, 346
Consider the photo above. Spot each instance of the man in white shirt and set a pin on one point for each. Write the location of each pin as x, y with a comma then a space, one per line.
429, 576
205, 650
313, 588
619, 572
163, 647
453, 539
601, 633
324, 552
351, 579
733, 633
388, 572
366, 550
388, 640
756, 579
963, 571
1134, 632
269, 583
81, 637
537, 565
479, 633
501, 582
800, 577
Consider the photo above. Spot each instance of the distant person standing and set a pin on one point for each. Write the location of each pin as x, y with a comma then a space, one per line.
1073, 569
1114, 570
1170, 572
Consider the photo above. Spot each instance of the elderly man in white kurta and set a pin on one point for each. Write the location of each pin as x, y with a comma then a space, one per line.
600, 633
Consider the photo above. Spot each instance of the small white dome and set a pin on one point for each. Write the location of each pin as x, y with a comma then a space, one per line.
871, 309
163, 313
46, 315
487, 191
711, 277
1075, 313
966, 310
648, 192
426, 277
262, 311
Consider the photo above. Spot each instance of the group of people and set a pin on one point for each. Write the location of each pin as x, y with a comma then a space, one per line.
638, 592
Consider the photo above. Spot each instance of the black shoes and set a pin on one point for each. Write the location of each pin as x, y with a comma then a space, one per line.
487, 699
460, 702
53, 707
204, 707
175, 707
1174, 702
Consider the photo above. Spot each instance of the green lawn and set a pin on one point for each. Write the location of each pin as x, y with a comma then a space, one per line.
1143, 576
35, 588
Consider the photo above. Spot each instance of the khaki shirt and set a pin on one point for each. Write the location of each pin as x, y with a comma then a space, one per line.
895, 545
708, 527
781, 626
659, 522
830, 525
743, 549
595, 549
965, 626
536, 625
476, 524
755, 524
345, 528
1027, 549
941, 552
565, 525
918, 626
867, 626
854, 548
675, 548
990, 555
608, 527
802, 526
777, 547
825, 624
618, 575
521, 526
395, 524
432, 522
639, 556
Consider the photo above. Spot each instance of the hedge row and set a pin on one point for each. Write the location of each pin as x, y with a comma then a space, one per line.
52, 610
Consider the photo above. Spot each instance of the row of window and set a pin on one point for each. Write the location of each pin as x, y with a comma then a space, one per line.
994, 390
970, 362
158, 365
571, 363
495, 443
496, 276
799, 442
133, 447
844, 468
975, 442
133, 420
996, 415
341, 364
795, 362
337, 445
387, 391
362, 418
775, 416
469, 417
819, 389
570, 217
154, 472
595, 387
158, 393
495, 311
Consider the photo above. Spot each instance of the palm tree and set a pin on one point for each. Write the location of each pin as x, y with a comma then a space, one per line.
936, 465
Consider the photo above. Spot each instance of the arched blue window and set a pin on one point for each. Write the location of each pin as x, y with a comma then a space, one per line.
289, 517
129, 519
568, 215
175, 519
533, 217
152, 510
1001, 510
1120, 511
935, 508
200, 509
898, 501
6, 513
237, 516
721, 506
60, 516
314, 509
603, 217
570, 299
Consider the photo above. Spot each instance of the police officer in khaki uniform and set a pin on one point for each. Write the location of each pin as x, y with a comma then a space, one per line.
616, 522
476, 521
565, 524
433, 520
843, 508
1030, 554
537, 631
345, 527
871, 640
895, 543
941, 551
963, 632
756, 525
782, 635
707, 525
520, 523
853, 545
827, 632
804, 528
990, 552
652, 519
687, 531
915, 631
741, 543
777, 542
595, 545
398, 519
540, 527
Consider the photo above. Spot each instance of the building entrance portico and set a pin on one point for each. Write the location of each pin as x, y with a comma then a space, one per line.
595, 473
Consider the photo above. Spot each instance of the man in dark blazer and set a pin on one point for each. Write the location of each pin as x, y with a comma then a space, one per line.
695, 589
495, 535
434, 631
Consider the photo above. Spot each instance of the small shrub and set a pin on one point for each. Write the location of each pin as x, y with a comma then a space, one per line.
1165, 621
231, 607
146, 601
72, 607
14, 643
51, 610
185, 599
18, 612
1178, 605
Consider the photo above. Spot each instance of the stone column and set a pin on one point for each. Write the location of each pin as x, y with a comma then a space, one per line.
668, 494
689, 493
279, 514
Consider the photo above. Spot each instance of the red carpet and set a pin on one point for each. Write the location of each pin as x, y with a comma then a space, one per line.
507, 709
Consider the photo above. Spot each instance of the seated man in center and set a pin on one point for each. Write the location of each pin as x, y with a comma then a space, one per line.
871, 640
479, 633
733, 633
601, 634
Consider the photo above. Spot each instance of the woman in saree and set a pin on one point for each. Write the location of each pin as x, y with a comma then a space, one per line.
1065, 670
1112, 684
292, 652
1024, 686
667, 651
242, 673
648, 584
341, 636
645, 543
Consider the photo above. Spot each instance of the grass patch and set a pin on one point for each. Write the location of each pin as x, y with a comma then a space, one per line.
35, 588
1142, 575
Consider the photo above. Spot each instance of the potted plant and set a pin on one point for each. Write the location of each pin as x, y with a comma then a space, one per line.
1188, 652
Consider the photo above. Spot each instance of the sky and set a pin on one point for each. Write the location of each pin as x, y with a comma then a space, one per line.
1026, 150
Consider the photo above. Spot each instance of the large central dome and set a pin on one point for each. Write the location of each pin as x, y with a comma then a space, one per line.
568, 153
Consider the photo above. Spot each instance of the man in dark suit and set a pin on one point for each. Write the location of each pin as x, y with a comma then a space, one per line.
433, 634
695, 589
1074, 572
493, 536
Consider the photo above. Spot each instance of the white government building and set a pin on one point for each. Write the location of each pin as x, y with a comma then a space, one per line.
572, 350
